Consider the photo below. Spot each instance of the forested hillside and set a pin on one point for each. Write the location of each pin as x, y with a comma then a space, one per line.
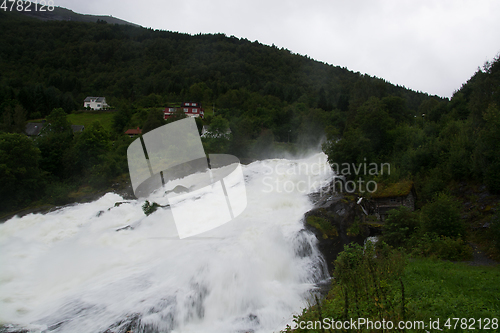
265, 95
57, 64
456, 140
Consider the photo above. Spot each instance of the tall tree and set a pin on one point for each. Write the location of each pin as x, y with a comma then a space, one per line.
155, 119
20, 175
55, 138
487, 159
92, 144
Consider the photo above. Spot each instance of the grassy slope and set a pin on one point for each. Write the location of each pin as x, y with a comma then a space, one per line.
87, 118
452, 290
434, 289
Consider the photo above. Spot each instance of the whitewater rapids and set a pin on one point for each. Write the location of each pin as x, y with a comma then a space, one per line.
71, 271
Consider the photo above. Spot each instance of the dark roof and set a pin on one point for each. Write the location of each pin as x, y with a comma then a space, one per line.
97, 99
133, 131
77, 128
33, 129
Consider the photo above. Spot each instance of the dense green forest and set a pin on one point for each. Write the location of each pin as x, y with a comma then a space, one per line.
454, 140
57, 64
264, 94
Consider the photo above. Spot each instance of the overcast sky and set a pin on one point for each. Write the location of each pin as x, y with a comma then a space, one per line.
433, 46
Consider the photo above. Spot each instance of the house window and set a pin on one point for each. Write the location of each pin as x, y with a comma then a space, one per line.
186, 110
195, 110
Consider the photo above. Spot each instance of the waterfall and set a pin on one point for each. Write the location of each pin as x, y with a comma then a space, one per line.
70, 270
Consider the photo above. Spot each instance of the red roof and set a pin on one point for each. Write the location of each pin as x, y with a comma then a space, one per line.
133, 131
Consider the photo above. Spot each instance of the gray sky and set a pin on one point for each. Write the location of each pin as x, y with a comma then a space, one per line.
432, 46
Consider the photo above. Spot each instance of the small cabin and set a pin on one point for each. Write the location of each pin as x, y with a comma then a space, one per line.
392, 196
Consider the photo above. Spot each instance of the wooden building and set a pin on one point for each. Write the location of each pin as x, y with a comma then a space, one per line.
190, 109
392, 196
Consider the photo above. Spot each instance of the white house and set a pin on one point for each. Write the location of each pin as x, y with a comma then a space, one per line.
95, 103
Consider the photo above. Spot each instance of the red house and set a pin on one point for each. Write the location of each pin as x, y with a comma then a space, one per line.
191, 109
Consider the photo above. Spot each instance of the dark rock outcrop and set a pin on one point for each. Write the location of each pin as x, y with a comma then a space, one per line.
337, 220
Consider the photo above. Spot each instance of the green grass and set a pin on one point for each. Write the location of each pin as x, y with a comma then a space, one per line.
87, 118
443, 289
433, 290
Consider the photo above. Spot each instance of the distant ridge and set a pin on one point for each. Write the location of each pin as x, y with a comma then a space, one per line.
63, 14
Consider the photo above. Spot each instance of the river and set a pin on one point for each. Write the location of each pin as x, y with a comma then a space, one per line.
71, 271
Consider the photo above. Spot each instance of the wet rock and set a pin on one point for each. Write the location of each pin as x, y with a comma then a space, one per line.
129, 324
337, 222
9, 328
126, 227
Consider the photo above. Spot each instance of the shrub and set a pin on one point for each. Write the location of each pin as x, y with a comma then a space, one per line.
432, 183
400, 224
354, 229
368, 284
441, 247
149, 208
442, 217
57, 193
451, 249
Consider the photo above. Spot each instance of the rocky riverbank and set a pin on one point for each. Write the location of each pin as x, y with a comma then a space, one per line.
121, 186
337, 220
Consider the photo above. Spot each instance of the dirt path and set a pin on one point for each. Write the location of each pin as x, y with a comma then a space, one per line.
480, 259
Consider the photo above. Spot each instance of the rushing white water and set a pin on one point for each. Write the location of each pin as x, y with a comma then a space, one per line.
71, 271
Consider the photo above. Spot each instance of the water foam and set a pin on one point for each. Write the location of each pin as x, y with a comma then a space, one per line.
71, 271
